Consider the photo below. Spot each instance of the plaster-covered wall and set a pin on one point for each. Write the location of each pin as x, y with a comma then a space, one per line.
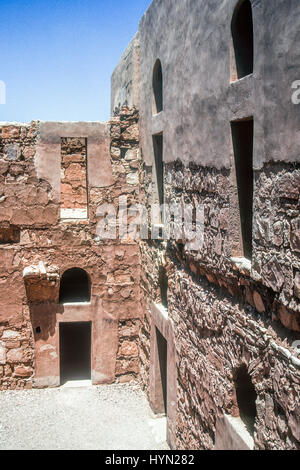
125, 79
192, 39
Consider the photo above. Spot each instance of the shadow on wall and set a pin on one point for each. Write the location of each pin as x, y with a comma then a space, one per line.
44, 319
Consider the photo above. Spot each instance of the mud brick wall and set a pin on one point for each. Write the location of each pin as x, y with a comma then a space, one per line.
74, 173
225, 315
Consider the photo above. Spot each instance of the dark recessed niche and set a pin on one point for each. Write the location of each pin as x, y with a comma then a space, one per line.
242, 138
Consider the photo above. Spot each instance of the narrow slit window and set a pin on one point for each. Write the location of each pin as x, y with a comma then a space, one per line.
159, 168
163, 287
242, 138
157, 88
74, 197
242, 41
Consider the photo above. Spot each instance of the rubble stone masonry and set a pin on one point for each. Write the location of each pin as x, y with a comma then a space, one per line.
225, 315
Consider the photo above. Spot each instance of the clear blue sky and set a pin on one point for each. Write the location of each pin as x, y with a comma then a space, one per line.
57, 56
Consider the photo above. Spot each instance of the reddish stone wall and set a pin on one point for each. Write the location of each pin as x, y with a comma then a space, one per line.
29, 207
25, 202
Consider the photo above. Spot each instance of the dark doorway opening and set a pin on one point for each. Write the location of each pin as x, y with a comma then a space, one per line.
242, 138
162, 349
246, 398
75, 351
242, 36
74, 286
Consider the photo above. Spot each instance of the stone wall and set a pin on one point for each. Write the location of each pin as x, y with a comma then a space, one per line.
224, 314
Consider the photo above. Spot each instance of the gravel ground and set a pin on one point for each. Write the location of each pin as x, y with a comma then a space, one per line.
114, 417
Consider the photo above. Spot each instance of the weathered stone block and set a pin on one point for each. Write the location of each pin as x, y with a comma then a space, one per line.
10, 132
289, 186
22, 371
129, 348
272, 275
15, 356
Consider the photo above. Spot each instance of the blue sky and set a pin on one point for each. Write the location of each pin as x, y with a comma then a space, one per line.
57, 56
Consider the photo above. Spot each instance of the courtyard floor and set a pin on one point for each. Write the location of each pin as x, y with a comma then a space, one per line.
113, 417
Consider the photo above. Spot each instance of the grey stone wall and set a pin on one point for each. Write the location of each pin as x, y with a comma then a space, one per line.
192, 40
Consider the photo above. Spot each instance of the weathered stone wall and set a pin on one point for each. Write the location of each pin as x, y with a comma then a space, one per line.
32, 232
25, 202
74, 173
224, 315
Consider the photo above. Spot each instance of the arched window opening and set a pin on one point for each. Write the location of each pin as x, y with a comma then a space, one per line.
74, 287
157, 88
242, 38
246, 398
163, 286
